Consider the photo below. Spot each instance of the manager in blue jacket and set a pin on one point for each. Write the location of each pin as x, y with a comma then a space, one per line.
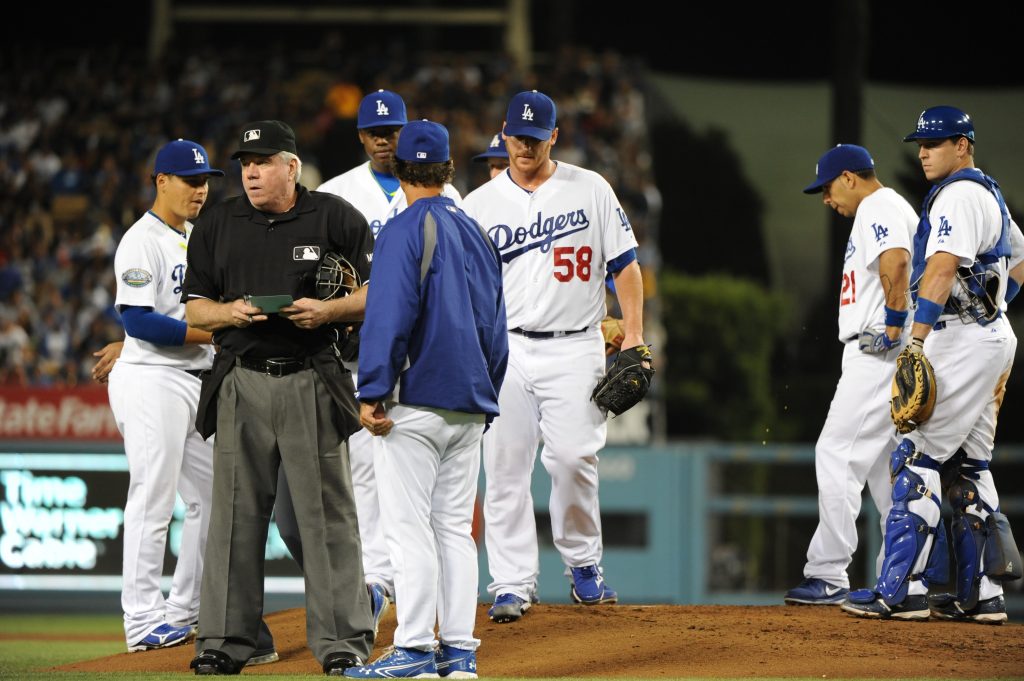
435, 322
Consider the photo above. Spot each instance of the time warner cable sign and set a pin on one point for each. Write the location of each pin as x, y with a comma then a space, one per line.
63, 486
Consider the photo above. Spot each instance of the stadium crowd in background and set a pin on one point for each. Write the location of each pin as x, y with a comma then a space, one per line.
78, 132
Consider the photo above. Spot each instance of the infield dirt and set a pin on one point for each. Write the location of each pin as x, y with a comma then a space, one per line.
676, 641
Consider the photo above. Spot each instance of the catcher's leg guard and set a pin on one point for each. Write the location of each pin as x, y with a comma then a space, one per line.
969, 533
906, 532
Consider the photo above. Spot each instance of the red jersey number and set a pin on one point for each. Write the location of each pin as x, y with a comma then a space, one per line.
849, 292
570, 261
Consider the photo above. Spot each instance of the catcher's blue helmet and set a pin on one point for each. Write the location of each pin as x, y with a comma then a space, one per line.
941, 122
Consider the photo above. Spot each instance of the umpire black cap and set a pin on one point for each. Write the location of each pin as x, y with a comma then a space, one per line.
266, 138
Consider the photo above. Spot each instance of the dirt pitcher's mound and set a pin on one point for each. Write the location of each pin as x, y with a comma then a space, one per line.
674, 641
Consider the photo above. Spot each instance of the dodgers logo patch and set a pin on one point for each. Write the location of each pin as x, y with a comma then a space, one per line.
136, 277
540, 233
850, 249
306, 253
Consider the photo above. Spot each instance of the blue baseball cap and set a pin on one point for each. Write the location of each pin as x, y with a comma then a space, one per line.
496, 149
530, 114
837, 159
185, 158
423, 142
381, 108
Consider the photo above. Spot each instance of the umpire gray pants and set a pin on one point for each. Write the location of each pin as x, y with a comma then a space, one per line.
264, 422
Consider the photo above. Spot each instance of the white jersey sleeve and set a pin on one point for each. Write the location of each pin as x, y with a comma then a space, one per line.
358, 187
884, 221
555, 244
966, 222
150, 268
1016, 245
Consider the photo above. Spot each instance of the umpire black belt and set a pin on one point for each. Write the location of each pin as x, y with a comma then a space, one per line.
547, 334
274, 366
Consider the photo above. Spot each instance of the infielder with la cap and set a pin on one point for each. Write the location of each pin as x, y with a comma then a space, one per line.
559, 228
154, 394
961, 254
858, 435
496, 156
435, 315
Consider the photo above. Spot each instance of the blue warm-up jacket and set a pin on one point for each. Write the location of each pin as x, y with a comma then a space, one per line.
448, 321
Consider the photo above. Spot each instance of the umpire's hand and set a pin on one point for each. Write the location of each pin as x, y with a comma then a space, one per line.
308, 313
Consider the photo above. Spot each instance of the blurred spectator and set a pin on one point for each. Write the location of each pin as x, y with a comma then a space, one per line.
73, 169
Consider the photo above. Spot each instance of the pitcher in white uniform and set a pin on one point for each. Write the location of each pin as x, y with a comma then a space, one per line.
559, 229
854, 445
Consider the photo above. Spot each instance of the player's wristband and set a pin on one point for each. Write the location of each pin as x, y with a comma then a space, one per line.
1012, 289
928, 312
895, 317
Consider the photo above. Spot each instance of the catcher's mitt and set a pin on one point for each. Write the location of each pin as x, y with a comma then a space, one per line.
913, 388
611, 329
626, 382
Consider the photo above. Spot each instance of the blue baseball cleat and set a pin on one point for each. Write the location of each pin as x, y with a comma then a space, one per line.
455, 663
398, 663
814, 591
508, 608
869, 603
164, 636
379, 602
589, 588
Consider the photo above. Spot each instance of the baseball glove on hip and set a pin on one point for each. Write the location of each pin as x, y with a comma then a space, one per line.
913, 388
626, 382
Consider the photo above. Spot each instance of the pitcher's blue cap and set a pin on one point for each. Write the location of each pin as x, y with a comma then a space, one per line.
496, 149
381, 108
530, 114
837, 159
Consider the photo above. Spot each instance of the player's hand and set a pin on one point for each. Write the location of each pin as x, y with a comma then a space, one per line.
243, 314
631, 340
308, 313
107, 356
877, 342
374, 418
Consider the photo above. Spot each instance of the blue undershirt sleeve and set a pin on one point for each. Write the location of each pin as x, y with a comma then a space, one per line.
145, 324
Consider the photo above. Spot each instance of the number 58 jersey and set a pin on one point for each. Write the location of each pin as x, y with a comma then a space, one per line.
555, 244
884, 220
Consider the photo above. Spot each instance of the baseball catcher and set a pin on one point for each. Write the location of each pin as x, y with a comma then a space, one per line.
913, 388
626, 382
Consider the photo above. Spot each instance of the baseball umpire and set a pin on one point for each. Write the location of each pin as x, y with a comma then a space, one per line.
857, 436
278, 396
960, 356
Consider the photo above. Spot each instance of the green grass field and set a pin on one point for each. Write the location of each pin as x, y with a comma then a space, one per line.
24, 655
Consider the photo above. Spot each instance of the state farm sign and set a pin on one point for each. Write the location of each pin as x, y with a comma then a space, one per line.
56, 414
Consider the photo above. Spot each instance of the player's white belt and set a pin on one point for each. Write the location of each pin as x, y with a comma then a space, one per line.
547, 334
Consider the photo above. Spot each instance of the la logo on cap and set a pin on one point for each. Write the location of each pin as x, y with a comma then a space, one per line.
251, 135
198, 157
527, 113
495, 142
382, 109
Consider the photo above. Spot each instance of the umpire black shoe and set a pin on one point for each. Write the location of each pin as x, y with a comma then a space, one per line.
335, 664
214, 662
989, 611
868, 603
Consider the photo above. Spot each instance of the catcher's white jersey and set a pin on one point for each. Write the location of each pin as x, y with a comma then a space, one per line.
1016, 245
884, 221
358, 187
965, 221
150, 268
555, 243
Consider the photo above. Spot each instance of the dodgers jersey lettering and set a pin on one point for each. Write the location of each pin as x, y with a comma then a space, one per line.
554, 244
150, 269
884, 221
358, 187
